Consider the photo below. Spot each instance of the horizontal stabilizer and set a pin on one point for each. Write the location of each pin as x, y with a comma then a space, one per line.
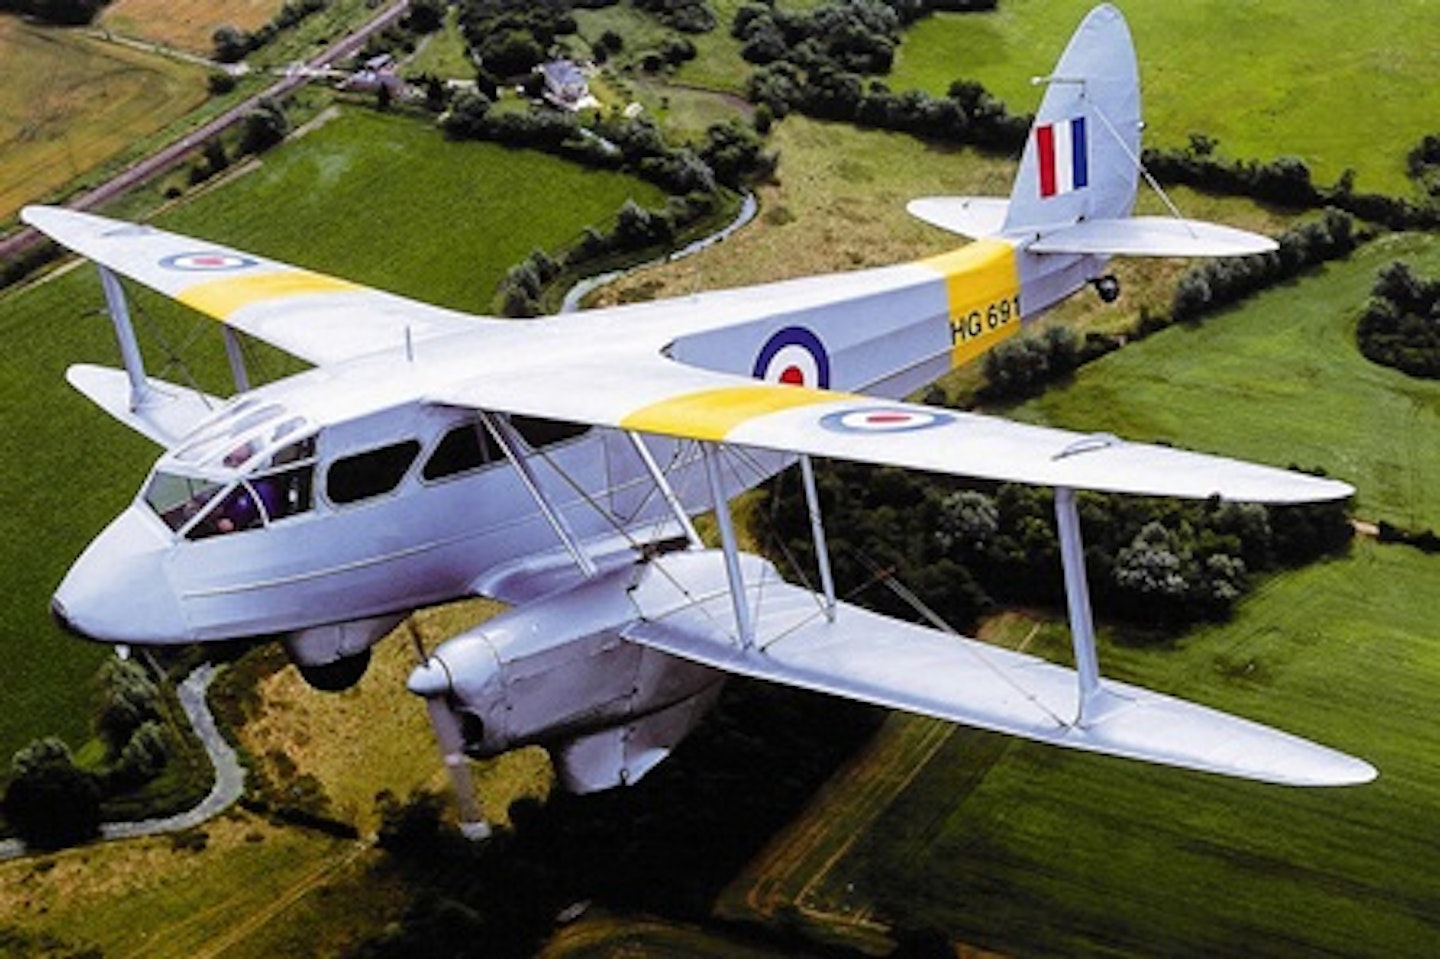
1152, 236
872, 658
973, 216
168, 412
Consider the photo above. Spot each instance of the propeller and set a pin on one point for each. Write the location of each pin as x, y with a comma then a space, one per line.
431, 680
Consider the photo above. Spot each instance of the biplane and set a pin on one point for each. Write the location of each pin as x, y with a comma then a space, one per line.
557, 464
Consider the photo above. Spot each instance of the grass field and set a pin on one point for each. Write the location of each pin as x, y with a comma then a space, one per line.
69, 487
1338, 86
189, 24
70, 102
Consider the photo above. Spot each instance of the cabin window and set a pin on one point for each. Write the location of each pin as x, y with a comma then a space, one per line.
539, 433
371, 473
466, 447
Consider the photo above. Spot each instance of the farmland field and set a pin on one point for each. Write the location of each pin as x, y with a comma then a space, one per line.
71, 102
1338, 86
189, 24
334, 201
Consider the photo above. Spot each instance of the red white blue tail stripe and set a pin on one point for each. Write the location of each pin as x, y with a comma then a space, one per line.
1064, 163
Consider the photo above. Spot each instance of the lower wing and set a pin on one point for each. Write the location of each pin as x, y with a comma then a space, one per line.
861, 655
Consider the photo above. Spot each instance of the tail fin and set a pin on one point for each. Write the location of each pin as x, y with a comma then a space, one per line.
1078, 175
1081, 161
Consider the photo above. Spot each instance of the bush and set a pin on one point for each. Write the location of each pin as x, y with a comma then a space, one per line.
51, 803
1400, 327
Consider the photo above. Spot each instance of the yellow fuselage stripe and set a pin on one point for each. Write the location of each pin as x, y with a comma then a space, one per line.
712, 414
222, 297
982, 285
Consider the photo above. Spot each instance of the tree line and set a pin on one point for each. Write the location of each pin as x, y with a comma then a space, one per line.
965, 548
825, 62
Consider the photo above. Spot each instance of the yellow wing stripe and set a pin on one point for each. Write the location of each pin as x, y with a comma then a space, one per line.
712, 414
982, 284
222, 297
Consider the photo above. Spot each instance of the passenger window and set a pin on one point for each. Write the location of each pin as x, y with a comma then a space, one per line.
372, 473
286, 492
465, 448
540, 433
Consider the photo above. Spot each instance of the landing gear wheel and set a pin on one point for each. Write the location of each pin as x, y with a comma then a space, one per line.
1108, 287
338, 676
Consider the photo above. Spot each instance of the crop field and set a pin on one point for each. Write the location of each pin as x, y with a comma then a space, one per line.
1353, 86
335, 201
71, 102
189, 24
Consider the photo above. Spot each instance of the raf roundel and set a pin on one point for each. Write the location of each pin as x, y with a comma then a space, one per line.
796, 357
207, 261
884, 419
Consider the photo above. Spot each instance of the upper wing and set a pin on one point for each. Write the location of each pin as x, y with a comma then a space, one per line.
650, 394
873, 658
319, 318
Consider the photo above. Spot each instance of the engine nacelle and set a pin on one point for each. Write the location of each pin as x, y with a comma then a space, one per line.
558, 674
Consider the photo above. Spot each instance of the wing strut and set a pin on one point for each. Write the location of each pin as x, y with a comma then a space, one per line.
711, 452
119, 310
666, 490
506, 440
1077, 599
236, 356
817, 533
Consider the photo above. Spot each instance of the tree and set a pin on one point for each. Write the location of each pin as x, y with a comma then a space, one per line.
51, 803
128, 700
231, 43
263, 127
425, 16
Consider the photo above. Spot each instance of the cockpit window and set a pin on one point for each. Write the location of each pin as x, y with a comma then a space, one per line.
371, 473
178, 499
238, 511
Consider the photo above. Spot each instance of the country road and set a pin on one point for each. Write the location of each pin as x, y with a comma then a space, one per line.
167, 157
229, 773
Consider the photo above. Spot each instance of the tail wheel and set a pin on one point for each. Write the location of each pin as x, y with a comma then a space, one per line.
1108, 287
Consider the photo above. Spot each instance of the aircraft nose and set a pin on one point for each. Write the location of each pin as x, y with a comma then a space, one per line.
118, 590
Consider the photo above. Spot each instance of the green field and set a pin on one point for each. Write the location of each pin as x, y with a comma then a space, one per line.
1338, 85
360, 197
